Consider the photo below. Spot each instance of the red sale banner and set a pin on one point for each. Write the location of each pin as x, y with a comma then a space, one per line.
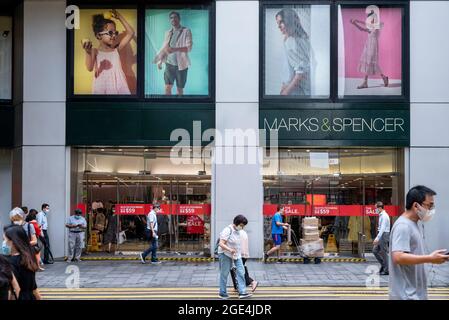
130, 209
168, 209
195, 225
329, 210
326, 210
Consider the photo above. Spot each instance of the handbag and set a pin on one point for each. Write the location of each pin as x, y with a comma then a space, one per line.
217, 244
38, 246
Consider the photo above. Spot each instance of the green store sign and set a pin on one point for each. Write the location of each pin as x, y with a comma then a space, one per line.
338, 127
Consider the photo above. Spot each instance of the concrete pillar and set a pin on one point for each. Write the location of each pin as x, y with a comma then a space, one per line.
237, 185
429, 75
41, 158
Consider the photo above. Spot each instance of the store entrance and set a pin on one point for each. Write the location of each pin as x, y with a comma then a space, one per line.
184, 224
337, 186
117, 188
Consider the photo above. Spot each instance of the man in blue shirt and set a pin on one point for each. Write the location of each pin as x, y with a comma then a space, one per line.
277, 230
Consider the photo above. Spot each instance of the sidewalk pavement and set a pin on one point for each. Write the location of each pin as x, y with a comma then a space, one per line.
129, 274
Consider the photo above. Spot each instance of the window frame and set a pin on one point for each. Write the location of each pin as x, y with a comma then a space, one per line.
140, 6
8, 12
271, 102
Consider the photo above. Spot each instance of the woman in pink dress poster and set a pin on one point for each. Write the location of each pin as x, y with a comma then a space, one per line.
369, 60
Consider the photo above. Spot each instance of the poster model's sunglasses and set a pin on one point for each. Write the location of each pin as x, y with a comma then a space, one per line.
109, 33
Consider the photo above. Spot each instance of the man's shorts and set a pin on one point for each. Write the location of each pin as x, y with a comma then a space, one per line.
172, 73
277, 239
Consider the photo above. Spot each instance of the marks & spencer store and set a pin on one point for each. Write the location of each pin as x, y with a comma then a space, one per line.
145, 87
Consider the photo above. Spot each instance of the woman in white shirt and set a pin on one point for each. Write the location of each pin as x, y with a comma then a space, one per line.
229, 252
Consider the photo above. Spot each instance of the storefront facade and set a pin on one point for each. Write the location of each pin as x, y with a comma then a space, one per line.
340, 148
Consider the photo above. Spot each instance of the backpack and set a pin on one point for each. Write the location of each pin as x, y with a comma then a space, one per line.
218, 242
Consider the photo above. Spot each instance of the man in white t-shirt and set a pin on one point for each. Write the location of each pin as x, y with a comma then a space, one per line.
151, 233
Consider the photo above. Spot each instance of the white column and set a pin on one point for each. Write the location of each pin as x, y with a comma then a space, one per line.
44, 156
429, 76
238, 184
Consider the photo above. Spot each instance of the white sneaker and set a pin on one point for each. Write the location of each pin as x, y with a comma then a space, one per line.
141, 258
245, 296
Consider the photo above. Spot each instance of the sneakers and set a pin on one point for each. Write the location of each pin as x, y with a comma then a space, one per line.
141, 258
265, 257
245, 296
226, 297
156, 262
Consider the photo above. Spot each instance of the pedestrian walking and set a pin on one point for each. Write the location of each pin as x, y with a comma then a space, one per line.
9, 288
23, 262
42, 220
17, 217
277, 230
31, 219
244, 246
76, 225
408, 279
152, 235
229, 252
110, 235
382, 240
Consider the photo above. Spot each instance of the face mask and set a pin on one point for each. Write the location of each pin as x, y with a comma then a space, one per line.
239, 228
424, 214
77, 217
6, 250
47, 210
17, 223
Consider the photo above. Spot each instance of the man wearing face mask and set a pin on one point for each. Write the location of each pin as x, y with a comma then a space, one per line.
380, 248
76, 224
43, 224
408, 279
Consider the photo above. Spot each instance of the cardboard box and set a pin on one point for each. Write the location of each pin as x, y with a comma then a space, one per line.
308, 229
313, 248
311, 236
317, 254
319, 241
310, 222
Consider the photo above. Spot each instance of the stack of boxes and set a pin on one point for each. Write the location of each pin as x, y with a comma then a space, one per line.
311, 244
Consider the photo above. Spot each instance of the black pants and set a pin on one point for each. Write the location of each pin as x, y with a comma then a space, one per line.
380, 251
248, 279
46, 247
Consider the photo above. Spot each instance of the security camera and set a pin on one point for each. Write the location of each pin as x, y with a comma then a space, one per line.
5, 33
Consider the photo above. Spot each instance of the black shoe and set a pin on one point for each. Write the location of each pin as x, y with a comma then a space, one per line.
381, 270
384, 273
265, 257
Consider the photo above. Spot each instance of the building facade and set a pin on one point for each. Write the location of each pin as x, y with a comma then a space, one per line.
72, 139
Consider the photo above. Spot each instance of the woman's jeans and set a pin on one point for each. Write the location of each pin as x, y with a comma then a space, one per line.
225, 268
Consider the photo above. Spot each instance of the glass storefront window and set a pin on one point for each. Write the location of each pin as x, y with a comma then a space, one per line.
370, 53
130, 180
5, 58
296, 61
340, 188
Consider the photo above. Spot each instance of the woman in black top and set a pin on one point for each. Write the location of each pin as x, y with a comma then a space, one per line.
23, 262
8, 283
